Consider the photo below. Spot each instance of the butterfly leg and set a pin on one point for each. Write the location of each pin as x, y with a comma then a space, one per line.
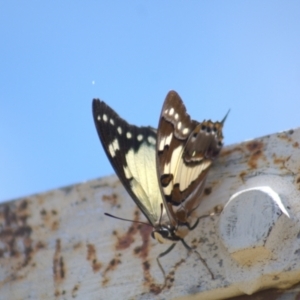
200, 257
161, 255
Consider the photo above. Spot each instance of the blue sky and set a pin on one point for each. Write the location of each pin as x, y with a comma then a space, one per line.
58, 55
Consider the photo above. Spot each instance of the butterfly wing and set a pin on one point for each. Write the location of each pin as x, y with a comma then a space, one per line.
131, 152
185, 151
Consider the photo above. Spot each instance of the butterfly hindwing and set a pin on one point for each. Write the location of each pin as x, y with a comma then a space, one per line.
185, 151
131, 151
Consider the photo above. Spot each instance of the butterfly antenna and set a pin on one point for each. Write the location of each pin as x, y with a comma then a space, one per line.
144, 223
224, 119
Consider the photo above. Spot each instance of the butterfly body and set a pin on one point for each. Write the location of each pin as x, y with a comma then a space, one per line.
164, 171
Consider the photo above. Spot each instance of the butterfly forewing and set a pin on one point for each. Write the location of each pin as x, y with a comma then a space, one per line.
131, 151
185, 151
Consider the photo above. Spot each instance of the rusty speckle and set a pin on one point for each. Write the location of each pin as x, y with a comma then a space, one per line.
58, 263
54, 212
39, 245
77, 246
254, 146
127, 239
298, 180
54, 225
277, 160
146, 266
14, 232
227, 152
61, 267
155, 289
145, 232
256, 153
255, 156
137, 250
112, 265
242, 176
92, 257
75, 290
23, 231
23, 205
9, 216
112, 199
43, 212
207, 191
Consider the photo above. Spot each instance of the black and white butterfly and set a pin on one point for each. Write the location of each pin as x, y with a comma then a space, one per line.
164, 171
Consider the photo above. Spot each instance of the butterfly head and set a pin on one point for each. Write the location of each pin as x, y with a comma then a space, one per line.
165, 234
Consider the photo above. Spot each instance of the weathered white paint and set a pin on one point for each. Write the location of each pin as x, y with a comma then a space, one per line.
59, 245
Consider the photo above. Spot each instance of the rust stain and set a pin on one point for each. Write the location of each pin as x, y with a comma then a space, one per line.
296, 145
92, 257
54, 225
170, 278
125, 241
242, 176
281, 161
254, 146
111, 267
112, 199
256, 152
252, 162
59, 270
207, 191
50, 219
77, 246
143, 252
298, 182
75, 290
15, 231
227, 152
285, 136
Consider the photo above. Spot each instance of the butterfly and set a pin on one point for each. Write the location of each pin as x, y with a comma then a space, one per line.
163, 170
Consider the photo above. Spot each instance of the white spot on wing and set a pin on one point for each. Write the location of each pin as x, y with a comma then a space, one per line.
99, 118
172, 166
139, 137
113, 147
151, 140
165, 141
112, 122
129, 135
171, 112
127, 173
185, 131
179, 125
104, 117
119, 130
176, 116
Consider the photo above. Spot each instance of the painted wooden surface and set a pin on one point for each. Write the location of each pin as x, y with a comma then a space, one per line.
59, 244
